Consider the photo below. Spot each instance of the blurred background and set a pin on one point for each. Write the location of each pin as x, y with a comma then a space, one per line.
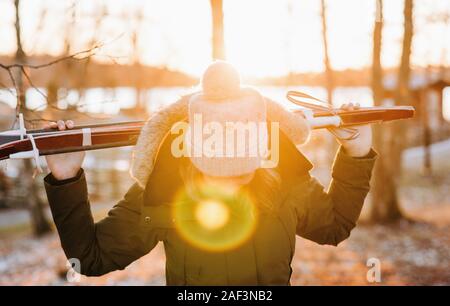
108, 61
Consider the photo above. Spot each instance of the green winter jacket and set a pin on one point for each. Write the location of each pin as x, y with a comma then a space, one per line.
143, 218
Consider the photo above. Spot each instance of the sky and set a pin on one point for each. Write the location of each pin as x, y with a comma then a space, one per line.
262, 37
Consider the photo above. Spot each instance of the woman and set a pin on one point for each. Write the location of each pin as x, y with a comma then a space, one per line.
225, 216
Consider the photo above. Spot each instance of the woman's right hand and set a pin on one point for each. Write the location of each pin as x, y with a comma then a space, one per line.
67, 165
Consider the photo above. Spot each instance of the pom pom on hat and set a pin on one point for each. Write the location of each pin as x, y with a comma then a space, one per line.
220, 81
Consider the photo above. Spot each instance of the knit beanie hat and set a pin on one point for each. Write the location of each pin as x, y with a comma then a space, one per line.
227, 133
221, 94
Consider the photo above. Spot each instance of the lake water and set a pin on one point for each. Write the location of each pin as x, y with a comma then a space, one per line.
111, 100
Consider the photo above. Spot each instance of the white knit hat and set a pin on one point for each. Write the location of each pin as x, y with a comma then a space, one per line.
227, 133
216, 86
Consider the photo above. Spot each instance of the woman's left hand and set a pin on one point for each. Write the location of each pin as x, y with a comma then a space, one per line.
359, 146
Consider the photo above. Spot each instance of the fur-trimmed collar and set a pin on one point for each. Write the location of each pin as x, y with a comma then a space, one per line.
158, 126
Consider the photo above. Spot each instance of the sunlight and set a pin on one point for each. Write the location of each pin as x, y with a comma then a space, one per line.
262, 38
212, 218
212, 214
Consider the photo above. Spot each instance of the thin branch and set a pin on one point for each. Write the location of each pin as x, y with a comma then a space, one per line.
86, 54
89, 53
13, 81
6, 87
31, 83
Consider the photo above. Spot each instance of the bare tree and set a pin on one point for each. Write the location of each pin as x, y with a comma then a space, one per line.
137, 19
380, 171
386, 205
218, 39
20, 58
35, 204
377, 70
17, 72
329, 83
403, 93
383, 181
328, 69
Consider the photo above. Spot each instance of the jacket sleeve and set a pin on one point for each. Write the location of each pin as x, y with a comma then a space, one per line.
327, 217
108, 245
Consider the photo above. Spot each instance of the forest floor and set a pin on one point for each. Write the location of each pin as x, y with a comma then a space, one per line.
413, 253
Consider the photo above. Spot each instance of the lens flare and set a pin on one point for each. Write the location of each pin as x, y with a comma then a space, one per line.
212, 214
214, 219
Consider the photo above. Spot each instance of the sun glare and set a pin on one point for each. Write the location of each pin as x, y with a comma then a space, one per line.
212, 214
262, 38
213, 219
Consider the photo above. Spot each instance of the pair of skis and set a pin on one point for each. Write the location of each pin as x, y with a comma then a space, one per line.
22, 143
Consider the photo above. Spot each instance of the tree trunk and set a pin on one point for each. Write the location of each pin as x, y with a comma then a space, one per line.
378, 95
424, 96
218, 39
140, 102
35, 205
389, 142
20, 59
52, 94
328, 70
329, 83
